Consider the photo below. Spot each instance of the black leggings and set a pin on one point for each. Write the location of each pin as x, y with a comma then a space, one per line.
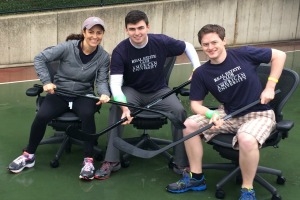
54, 106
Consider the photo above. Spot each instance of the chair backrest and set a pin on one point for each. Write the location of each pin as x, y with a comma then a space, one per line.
168, 67
288, 83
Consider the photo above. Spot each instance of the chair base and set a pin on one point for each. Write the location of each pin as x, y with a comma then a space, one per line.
146, 142
66, 143
235, 173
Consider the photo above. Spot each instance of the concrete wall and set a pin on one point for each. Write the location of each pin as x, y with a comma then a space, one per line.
246, 21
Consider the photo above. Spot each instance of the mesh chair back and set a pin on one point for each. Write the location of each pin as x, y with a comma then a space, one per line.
168, 67
287, 84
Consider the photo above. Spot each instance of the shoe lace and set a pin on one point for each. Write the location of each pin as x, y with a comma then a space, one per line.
185, 179
88, 165
247, 195
21, 160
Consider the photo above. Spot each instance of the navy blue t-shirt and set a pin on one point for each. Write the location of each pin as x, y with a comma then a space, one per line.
142, 69
234, 82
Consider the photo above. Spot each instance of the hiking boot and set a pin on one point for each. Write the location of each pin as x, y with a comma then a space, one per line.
179, 170
187, 183
18, 164
106, 169
247, 194
87, 171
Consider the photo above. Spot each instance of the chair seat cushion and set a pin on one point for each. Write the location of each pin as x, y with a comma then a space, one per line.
68, 116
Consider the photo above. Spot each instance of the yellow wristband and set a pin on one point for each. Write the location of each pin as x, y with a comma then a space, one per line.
273, 79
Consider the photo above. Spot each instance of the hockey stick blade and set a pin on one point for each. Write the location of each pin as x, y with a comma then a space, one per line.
138, 152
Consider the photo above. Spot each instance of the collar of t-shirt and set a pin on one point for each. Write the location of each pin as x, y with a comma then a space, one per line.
86, 58
139, 46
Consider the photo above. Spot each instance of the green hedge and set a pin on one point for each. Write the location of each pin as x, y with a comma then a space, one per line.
21, 6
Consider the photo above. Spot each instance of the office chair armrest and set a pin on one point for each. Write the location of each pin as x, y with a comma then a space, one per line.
34, 91
284, 125
184, 92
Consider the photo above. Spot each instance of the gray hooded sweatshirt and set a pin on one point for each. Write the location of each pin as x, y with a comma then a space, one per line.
72, 75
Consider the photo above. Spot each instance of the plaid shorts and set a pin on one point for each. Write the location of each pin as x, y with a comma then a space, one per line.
258, 124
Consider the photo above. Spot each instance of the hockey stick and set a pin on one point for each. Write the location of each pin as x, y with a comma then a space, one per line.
176, 122
138, 152
76, 133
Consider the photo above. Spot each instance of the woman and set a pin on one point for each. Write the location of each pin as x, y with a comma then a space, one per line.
83, 64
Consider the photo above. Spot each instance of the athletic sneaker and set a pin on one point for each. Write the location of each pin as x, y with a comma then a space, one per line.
87, 171
187, 183
247, 194
106, 169
18, 164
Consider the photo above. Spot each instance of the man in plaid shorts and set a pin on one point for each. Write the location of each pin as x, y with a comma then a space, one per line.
230, 76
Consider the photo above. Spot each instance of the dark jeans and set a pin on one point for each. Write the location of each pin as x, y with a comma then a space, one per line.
55, 105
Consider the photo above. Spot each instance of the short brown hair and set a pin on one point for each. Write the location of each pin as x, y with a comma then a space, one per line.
211, 28
135, 16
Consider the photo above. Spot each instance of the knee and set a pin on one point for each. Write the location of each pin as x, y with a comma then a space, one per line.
247, 142
179, 111
190, 126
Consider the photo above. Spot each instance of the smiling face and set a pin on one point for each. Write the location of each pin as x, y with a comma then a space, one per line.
214, 47
138, 32
93, 36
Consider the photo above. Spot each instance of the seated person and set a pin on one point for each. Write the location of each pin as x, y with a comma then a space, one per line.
83, 63
230, 76
136, 77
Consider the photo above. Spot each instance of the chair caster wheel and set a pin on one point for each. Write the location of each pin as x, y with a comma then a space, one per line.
220, 194
276, 197
125, 163
280, 180
54, 163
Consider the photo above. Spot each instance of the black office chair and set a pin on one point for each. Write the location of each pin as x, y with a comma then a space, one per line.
151, 121
60, 124
222, 143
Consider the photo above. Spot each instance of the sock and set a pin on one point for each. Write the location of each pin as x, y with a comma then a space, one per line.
197, 176
247, 189
89, 159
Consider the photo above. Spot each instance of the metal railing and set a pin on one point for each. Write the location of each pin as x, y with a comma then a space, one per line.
27, 6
